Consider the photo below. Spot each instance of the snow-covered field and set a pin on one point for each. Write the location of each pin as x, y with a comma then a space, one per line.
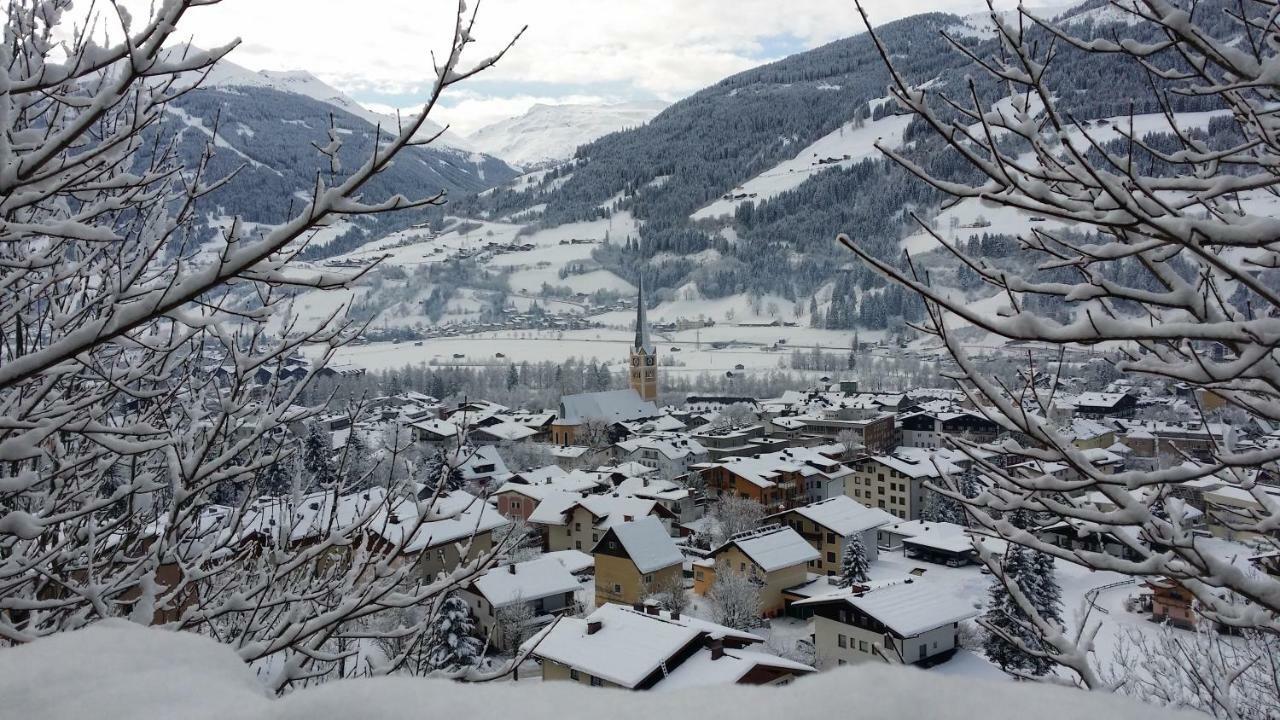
694, 354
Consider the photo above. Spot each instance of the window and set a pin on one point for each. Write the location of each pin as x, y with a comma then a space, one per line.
831, 557
573, 674
742, 567
577, 544
617, 589
831, 538
841, 641
577, 527
596, 682
648, 578
862, 645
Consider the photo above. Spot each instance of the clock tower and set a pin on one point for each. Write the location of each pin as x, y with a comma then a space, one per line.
644, 356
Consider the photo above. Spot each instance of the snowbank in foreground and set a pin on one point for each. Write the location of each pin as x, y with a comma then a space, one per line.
119, 670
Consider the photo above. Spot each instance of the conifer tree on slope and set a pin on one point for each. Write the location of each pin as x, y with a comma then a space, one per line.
452, 643
317, 459
854, 565
1003, 616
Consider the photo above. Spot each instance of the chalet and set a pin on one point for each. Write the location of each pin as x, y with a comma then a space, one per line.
912, 622
930, 429
671, 455
779, 480
1172, 603
649, 649
635, 559
828, 525
433, 431
1104, 405
574, 522
532, 592
776, 556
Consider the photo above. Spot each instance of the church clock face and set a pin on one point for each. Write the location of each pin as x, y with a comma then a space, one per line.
648, 361
635, 361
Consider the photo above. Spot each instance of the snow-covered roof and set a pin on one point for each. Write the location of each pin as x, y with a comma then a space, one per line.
532, 580
610, 406
436, 426
672, 447
1098, 399
629, 645
843, 515
648, 544
773, 548
506, 431
916, 462
454, 516
575, 561
702, 670
908, 609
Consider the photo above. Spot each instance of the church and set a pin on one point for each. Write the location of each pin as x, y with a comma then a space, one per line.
644, 356
615, 406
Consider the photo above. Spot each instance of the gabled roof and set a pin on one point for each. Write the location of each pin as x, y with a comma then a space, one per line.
647, 543
532, 580
611, 406
732, 667
772, 548
629, 645
843, 515
908, 609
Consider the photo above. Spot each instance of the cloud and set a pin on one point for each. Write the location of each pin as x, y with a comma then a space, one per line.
380, 51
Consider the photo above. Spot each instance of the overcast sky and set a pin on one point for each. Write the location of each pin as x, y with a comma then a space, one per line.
378, 51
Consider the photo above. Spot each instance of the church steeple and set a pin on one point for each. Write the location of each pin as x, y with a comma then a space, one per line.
642, 324
644, 355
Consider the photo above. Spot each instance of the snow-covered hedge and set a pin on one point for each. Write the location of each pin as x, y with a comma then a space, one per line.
119, 670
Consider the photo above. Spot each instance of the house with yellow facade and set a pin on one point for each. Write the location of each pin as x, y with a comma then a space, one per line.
828, 526
776, 556
634, 560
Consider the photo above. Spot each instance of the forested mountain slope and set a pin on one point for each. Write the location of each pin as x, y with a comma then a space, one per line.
269, 138
745, 126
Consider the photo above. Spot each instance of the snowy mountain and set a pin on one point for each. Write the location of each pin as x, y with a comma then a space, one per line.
269, 125
550, 133
229, 75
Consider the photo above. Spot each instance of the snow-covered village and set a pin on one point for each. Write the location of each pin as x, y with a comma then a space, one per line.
679, 358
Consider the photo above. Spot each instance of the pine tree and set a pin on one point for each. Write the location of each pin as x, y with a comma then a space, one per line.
442, 467
452, 642
1004, 614
357, 460
854, 565
513, 380
317, 458
279, 477
1046, 595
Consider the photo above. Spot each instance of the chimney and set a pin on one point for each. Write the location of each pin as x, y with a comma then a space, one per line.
716, 646
593, 626
511, 568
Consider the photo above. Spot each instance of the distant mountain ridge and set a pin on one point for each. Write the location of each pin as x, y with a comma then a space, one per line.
268, 127
547, 134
